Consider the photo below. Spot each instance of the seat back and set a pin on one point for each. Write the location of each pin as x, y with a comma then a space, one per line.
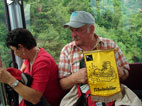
135, 77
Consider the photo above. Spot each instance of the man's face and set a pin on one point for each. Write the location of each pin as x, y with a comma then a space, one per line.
79, 35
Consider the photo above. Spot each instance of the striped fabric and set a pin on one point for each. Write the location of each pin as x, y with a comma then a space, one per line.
71, 55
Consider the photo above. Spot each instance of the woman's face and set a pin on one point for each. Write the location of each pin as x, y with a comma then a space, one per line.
18, 52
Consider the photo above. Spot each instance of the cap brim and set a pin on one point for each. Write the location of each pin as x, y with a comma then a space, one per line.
73, 24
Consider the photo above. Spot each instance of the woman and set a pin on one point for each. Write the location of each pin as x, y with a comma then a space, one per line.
38, 64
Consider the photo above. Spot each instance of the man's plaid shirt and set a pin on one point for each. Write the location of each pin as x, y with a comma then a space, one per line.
71, 54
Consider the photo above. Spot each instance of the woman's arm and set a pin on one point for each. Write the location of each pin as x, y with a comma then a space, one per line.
23, 67
26, 92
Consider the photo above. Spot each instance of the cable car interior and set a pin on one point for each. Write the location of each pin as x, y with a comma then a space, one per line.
119, 20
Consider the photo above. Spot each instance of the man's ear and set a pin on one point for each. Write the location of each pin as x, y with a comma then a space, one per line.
92, 29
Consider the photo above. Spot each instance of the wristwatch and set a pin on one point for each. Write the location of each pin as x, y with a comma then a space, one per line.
15, 84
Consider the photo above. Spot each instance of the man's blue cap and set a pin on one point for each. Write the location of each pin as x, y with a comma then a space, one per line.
80, 18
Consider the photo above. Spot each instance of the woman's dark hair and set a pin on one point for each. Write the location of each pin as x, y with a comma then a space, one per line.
20, 36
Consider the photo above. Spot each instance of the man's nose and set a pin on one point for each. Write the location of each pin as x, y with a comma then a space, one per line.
74, 34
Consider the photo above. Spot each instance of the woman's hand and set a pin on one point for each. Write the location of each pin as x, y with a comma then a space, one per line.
5, 76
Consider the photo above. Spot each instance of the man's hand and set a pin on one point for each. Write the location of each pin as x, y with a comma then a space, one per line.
123, 74
81, 76
75, 78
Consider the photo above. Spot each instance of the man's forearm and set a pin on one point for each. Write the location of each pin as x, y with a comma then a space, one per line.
75, 78
68, 82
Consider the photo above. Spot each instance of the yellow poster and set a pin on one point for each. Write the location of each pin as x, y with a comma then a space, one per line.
103, 78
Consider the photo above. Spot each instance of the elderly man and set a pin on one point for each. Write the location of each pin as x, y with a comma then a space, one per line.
84, 39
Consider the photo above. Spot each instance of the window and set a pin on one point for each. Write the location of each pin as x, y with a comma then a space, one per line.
119, 20
4, 51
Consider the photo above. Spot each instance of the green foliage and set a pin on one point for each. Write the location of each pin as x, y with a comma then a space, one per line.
123, 26
114, 19
4, 51
50, 40
47, 22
